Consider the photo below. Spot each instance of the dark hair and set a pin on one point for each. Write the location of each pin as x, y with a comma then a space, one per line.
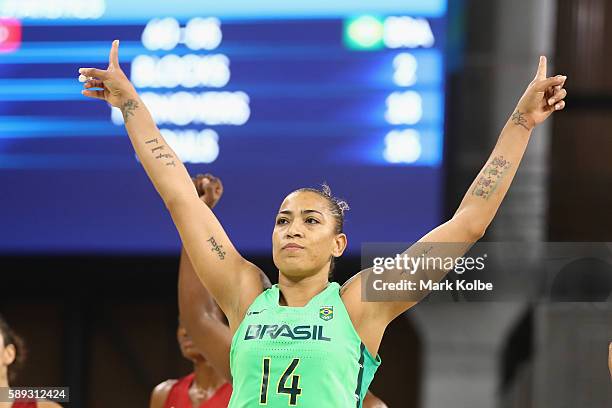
9, 337
337, 207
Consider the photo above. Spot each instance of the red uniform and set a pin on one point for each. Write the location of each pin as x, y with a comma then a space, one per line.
18, 404
179, 395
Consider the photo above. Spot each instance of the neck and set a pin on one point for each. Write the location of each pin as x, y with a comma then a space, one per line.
4, 378
297, 293
206, 377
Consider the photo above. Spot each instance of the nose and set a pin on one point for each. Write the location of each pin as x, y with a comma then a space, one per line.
293, 230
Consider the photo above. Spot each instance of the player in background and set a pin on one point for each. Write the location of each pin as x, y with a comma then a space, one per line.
12, 357
209, 385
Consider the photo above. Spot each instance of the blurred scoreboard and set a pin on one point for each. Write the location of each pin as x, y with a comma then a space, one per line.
268, 95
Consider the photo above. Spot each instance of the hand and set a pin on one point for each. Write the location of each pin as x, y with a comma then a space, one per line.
542, 97
209, 188
116, 87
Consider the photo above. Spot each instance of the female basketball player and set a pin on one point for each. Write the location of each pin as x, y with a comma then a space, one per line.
306, 341
12, 356
205, 323
203, 388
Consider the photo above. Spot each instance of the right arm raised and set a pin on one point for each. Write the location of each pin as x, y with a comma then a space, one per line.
233, 281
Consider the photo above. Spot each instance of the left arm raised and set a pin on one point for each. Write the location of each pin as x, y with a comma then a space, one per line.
482, 200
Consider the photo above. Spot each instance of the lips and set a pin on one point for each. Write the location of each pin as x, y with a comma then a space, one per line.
293, 246
187, 343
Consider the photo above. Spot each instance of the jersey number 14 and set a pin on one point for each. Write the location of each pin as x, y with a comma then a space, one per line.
293, 391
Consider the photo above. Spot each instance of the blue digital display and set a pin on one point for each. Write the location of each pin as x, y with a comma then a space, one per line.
268, 97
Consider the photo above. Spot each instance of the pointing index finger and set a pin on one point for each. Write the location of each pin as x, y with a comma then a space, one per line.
113, 58
542, 68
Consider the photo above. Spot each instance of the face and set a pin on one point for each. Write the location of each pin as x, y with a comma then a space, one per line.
304, 237
188, 348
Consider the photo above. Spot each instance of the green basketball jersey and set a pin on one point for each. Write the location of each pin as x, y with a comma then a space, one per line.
307, 356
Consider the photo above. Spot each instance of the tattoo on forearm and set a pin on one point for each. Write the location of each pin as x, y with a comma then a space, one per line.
491, 176
164, 156
128, 109
161, 155
216, 248
518, 118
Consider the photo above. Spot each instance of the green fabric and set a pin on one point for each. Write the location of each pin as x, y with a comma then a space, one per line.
312, 354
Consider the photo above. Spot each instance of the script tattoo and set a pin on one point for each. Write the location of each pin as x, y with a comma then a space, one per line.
164, 156
491, 176
161, 155
518, 118
216, 248
407, 270
128, 109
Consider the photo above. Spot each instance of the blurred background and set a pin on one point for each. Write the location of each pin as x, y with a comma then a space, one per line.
395, 104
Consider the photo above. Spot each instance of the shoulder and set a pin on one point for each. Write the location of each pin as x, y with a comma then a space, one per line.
352, 282
369, 318
165, 387
265, 281
252, 284
160, 393
350, 293
372, 401
48, 404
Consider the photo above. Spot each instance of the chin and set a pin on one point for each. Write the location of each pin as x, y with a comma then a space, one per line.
296, 267
193, 357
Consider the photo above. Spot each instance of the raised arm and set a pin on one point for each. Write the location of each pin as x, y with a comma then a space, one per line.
480, 203
233, 281
486, 193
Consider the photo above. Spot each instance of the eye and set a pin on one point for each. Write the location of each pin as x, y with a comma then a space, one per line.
311, 220
281, 221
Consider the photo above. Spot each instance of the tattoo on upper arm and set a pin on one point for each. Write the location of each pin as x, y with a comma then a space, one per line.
491, 176
128, 109
216, 248
422, 256
518, 118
